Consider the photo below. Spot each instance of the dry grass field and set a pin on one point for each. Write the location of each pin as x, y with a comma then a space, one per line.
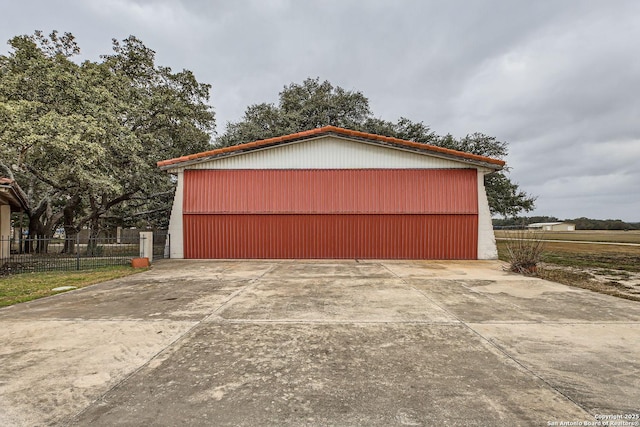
632, 236
606, 268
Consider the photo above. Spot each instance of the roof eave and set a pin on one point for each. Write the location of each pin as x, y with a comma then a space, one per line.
175, 164
238, 152
447, 156
15, 196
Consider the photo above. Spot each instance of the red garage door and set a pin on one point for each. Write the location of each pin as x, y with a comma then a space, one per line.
371, 213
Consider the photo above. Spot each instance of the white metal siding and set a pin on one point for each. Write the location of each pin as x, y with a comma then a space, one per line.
561, 227
5, 230
329, 152
486, 239
176, 243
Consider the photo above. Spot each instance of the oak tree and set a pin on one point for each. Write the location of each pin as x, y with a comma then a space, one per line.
83, 138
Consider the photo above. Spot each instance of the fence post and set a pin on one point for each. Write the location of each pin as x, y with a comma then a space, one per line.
5, 230
146, 245
167, 246
78, 251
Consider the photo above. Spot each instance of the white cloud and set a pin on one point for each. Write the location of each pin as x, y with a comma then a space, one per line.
158, 15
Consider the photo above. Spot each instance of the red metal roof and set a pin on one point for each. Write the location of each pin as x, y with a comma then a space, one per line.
333, 130
331, 191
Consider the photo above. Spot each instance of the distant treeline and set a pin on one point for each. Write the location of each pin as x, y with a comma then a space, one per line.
581, 223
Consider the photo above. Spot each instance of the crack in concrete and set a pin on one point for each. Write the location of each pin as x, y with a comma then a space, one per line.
179, 338
334, 322
492, 343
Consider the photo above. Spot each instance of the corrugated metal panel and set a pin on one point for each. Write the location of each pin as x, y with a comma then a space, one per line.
433, 191
331, 236
329, 153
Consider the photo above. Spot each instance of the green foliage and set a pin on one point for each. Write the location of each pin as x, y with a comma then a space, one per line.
402, 129
505, 197
600, 224
314, 104
84, 138
476, 143
303, 106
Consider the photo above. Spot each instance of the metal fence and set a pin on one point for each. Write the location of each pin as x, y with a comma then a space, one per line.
41, 254
161, 243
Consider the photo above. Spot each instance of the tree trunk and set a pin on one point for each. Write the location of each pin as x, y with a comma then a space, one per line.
70, 238
94, 232
35, 242
70, 231
42, 221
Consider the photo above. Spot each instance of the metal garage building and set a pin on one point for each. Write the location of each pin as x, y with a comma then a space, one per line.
331, 193
552, 226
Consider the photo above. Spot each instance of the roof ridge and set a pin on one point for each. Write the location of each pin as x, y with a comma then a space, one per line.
327, 130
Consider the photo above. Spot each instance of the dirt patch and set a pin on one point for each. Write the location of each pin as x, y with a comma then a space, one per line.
609, 269
619, 283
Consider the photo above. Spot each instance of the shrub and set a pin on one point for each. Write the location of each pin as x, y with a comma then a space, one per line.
524, 250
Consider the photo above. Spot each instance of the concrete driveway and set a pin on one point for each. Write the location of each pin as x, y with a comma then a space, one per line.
320, 343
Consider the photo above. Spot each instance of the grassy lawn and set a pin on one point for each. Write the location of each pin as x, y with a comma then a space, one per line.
30, 286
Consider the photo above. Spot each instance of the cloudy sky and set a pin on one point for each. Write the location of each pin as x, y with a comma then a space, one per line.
558, 80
